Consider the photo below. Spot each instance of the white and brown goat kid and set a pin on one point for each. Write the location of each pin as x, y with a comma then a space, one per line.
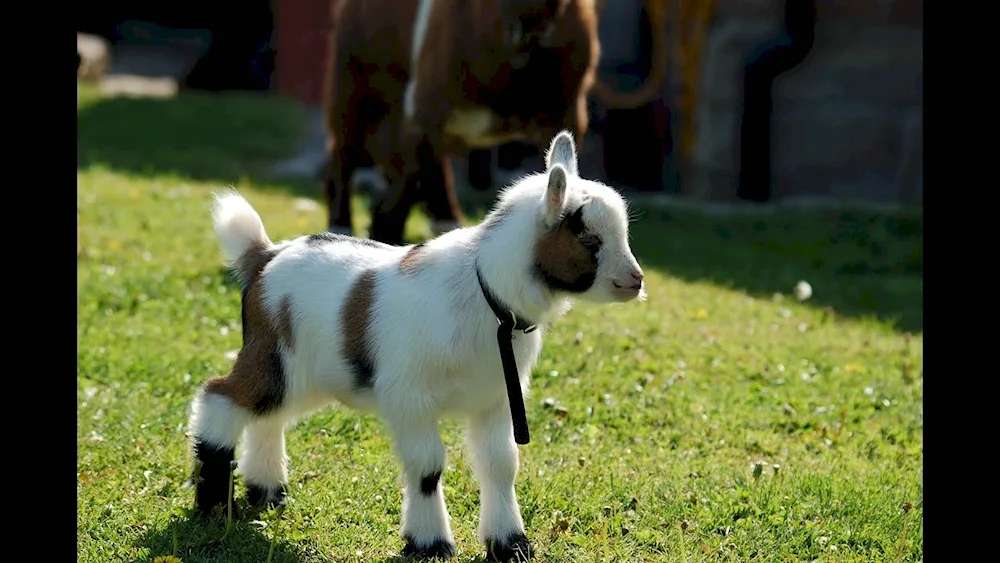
407, 332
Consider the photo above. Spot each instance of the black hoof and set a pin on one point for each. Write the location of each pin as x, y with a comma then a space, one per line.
262, 496
213, 479
515, 547
440, 549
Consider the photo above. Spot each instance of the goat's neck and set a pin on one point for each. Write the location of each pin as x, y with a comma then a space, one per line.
507, 265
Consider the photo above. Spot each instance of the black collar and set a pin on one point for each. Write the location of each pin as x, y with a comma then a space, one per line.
505, 315
505, 334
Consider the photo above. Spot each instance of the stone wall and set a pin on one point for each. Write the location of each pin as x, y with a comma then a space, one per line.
847, 122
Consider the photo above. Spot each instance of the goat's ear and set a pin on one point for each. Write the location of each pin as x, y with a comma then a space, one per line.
562, 150
555, 195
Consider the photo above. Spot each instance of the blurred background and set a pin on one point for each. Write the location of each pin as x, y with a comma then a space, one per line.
759, 142
710, 101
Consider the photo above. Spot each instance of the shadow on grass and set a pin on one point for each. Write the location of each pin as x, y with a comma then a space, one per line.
859, 263
194, 539
219, 138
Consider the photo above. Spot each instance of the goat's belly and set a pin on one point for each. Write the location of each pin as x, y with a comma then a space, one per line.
478, 128
473, 395
330, 379
363, 400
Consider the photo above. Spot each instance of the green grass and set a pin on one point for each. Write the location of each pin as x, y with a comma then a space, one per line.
716, 422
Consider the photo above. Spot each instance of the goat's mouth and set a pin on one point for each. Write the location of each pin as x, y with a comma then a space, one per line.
626, 293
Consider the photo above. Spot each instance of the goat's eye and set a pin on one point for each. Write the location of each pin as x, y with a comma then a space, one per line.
575, 222
590, 241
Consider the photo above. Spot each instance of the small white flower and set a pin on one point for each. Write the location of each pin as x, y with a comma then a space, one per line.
803, 290
306, 205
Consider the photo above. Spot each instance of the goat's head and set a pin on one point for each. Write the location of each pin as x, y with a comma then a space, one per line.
582, 248
529, 24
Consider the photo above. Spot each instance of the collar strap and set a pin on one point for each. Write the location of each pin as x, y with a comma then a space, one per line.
504, 315
505, 335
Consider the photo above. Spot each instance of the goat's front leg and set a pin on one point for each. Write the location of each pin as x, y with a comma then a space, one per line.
425, 518
491, 439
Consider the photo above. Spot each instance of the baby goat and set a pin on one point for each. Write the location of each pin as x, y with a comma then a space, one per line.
410, 333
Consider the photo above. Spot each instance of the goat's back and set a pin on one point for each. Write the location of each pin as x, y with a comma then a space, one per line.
377, 32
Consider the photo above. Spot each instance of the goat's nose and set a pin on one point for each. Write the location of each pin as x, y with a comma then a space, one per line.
637, 276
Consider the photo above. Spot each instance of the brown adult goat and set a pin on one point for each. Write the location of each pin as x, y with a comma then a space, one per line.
412, 82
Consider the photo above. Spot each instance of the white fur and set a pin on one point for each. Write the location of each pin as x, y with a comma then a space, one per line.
409, 98
215, 419
433, 335
420, 24
237, 224
263, 460
562, 151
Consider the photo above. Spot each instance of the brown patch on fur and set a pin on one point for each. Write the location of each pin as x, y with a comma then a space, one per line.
284, 324
564, 261
257, 380
410, 264
251, 263
356, 320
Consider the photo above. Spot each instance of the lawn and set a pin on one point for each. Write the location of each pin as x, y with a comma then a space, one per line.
721, 420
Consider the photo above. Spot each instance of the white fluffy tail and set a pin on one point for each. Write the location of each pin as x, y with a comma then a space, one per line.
237, 225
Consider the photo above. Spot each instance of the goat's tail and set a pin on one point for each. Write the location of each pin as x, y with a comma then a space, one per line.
237, 225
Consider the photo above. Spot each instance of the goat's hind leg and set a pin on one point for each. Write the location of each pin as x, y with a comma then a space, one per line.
215, 426
263, 463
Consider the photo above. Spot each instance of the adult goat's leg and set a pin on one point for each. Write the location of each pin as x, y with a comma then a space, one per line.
437, 188
403, 175
349, 114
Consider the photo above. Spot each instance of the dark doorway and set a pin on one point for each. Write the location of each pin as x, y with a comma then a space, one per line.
239, 54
